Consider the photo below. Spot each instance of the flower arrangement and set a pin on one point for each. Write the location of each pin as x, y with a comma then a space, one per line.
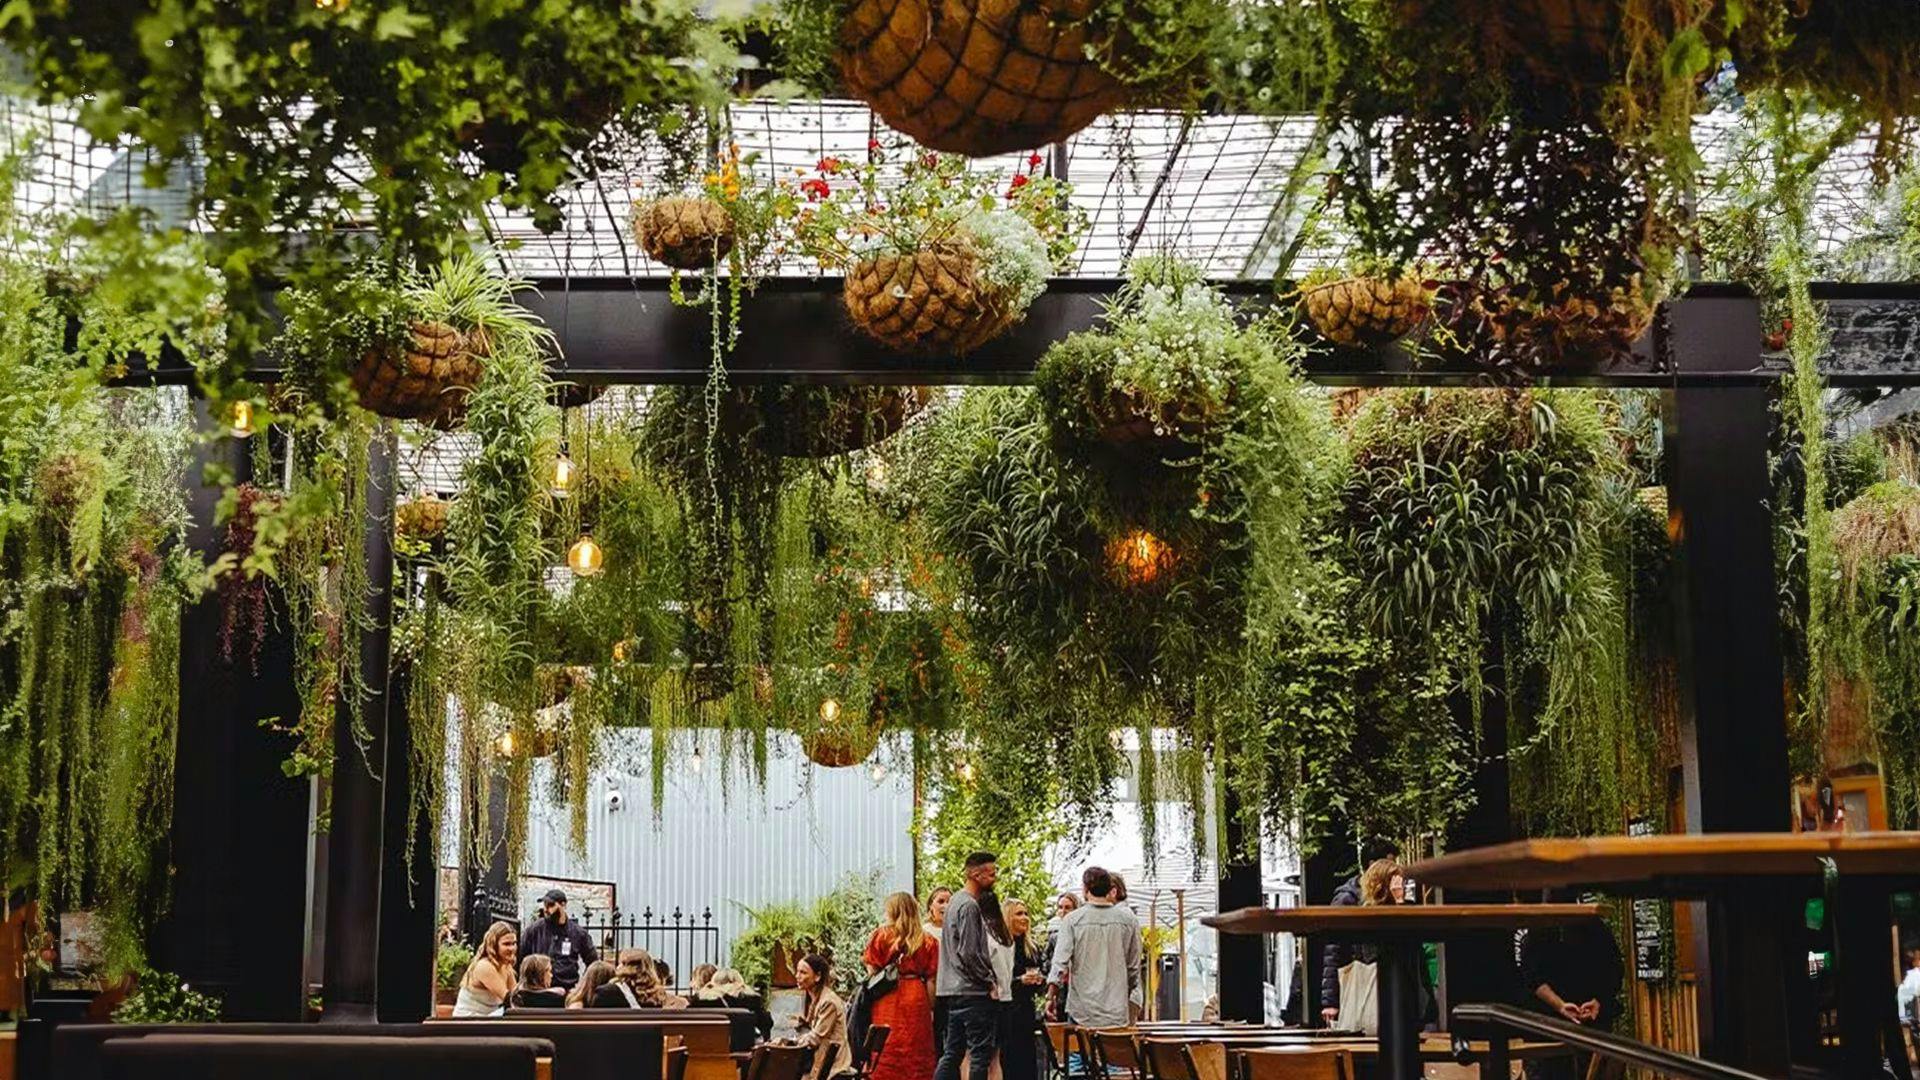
942, 260
727, 218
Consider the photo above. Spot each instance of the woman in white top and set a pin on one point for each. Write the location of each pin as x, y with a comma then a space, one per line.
937, 911
1908, 996
489, 980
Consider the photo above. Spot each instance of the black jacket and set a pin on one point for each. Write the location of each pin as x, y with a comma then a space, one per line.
569, 947
762, 1019
1338, 954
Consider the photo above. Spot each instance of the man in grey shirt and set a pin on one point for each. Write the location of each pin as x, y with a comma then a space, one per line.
965, 982
1098, 951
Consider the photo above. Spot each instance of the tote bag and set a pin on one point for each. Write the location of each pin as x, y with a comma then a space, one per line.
1359, 998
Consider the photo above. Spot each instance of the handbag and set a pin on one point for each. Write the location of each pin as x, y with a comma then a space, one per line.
1359, 998
860, 1017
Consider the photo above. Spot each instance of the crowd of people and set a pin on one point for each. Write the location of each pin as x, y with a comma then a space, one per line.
960, 985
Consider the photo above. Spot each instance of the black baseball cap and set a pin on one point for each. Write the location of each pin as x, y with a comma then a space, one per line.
554, 896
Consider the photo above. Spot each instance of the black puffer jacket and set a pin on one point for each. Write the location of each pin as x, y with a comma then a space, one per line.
1338, 954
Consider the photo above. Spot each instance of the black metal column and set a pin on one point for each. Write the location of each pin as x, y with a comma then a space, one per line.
1242, 956
1733, 712
358, 808
409, 907
239, 837
1480, 969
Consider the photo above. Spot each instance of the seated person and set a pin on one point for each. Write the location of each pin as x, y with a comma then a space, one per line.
597, 975
727, 990
636, 985
536, 985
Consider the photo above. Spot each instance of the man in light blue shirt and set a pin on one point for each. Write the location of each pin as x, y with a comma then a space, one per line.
1098, 951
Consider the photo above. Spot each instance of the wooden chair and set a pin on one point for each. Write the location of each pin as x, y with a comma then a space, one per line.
709, 1050
1205, 1060
677, 1063
870, 1051
774, 1062
1117, 1049
1275, 1063
1063, 1042
1164, 1058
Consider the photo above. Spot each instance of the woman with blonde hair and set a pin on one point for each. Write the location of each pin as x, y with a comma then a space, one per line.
636, 985
597, 975
727, 990
903, 943
489, 980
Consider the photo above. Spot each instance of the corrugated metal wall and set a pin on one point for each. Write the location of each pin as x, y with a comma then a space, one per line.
805, 833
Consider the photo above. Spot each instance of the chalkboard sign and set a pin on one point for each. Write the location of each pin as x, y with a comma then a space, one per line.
1649, 924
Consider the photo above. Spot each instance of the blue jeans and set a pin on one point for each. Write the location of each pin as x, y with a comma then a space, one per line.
973, 1027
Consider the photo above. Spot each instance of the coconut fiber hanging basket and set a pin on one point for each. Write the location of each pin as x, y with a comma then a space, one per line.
927, 303
978, 77
425, 378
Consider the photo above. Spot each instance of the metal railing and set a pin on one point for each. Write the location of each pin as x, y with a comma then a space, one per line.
1612, 1047
683, 940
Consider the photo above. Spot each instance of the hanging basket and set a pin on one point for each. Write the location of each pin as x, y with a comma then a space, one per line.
1365, 312
978, 77
1574, 333
685, 232
853, 419
423, 379
929, 303
423, 520
841, 746
1132, 427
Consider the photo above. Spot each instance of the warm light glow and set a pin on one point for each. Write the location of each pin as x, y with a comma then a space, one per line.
620, 652
699, 762
878, 772
1139, 557
504, 744
966, 772
331, 5
562, 485
829, 711
877, 472
242, 418
584, 557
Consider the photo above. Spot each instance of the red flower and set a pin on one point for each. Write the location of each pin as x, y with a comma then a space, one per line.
929, 160
829, 164
1035, 160
816, 189
1018, 182
873, 144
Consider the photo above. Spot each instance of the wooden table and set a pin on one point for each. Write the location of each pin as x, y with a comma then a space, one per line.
1399, 930
1725, 867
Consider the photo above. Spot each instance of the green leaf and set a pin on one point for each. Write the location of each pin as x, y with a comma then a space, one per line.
399, 22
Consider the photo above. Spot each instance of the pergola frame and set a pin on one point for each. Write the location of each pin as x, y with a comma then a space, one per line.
238, 823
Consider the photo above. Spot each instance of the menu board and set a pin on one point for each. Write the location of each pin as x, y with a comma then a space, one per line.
1649, 924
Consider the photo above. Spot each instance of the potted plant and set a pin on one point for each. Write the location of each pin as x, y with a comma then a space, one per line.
163, 998
946, 258
410, 345
702, 227
450, 964
1364, 306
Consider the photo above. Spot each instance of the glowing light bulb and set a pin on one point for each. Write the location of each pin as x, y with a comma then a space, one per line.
1139, 557
699, 762
563, 470
620, 652
829, 711
966, 772
584, 558
878, 772
242, 420
331, 5
504, 744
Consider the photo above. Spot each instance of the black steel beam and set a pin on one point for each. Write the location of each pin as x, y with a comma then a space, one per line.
355, 863
240, 825
1733, 712
628, 330
1242, 956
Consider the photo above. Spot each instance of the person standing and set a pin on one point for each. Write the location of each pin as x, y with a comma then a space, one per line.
823, 1019
1098, 951
1575, 973
908, 1011
489, 981
1372, 886
1066, 905
560, 940
937, 902
1019, 1046
966, 978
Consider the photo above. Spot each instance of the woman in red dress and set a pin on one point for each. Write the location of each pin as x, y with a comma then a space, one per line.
908, 1011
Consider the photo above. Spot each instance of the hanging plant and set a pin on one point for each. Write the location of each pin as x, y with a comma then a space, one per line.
684, 232
943, 260
1365, 309
1861, 62
411, 346
1876, 635
1121, 585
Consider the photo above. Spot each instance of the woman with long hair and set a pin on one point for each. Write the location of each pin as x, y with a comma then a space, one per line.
489, 980
597, 975
536, 984
1019, 1048
725, 989
823, 1019
636, 985
907, 1011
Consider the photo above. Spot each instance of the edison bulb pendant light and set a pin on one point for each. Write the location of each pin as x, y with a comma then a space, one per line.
242, 419
562, 484
584, 558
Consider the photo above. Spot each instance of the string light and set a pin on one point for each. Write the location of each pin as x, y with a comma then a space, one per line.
699, 761
331, 5
584, 558
620, 651
563, 471
878, 772
1139, 557
504, 744
829, 711
242, 419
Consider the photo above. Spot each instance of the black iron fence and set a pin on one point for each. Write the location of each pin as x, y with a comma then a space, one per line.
683, 940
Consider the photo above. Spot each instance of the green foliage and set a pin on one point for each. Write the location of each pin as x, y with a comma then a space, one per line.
450, 963
1875, 633
313, 120
955, 829
835, 925
162, 998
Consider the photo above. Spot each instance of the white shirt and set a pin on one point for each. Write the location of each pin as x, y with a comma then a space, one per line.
932, 930
1099, 948
1001, 956
1908, 993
